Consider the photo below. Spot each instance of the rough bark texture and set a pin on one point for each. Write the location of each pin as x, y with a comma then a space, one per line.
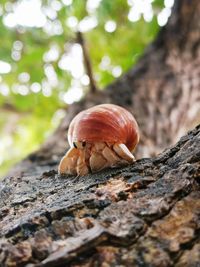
147, 214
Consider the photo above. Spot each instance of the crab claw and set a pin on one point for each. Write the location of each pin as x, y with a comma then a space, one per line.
69, 161
73, 162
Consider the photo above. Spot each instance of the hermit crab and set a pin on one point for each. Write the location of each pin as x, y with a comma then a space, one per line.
100, 137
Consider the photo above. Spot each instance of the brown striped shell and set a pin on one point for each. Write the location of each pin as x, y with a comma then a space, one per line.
104, 123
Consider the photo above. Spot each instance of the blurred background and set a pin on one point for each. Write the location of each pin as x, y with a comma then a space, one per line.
42, 68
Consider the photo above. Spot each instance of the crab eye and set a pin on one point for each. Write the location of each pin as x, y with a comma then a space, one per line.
74, 144
84, 144
79, 145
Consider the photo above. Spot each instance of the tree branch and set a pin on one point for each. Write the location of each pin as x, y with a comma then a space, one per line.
87, 62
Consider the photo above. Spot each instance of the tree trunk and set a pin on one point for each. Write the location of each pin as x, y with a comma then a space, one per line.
147, 214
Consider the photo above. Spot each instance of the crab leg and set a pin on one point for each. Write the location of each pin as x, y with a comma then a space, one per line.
97, 157
97, 162
104, 155
123, 152
110, 156
81, 166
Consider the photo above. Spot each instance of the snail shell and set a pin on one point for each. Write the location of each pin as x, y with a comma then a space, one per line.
104, 123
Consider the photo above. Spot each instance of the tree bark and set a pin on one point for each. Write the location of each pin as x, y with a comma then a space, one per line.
146, 214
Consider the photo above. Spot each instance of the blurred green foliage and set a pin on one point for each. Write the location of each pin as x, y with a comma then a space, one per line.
37, 77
